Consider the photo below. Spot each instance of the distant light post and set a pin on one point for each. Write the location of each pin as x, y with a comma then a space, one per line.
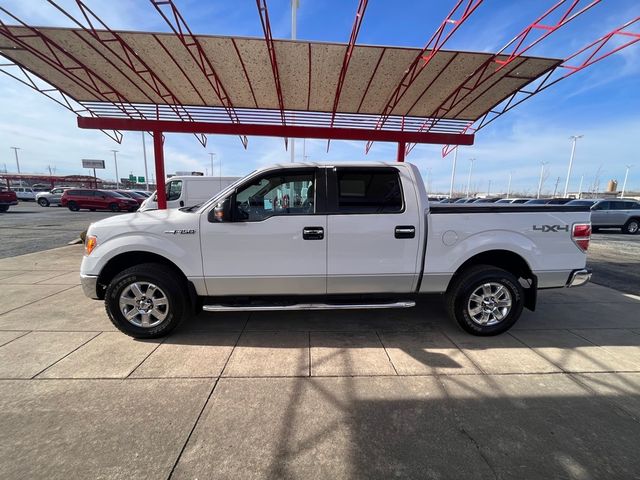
624, 184
509, 186
471, 160
574, 139
453, 172
542, 164
580, 187
15, 151
211, 155
115, 160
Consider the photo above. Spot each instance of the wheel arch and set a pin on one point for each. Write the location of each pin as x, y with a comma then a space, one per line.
128, 259
509, 261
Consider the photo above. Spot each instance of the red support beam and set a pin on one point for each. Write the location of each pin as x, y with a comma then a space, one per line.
20, 74
402, 147
428, 52
125, 53
362, 6
583, 58
291, 131
266, 28
177, 23
158, 154
514, 49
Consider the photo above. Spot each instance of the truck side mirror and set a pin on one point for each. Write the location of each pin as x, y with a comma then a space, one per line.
221, 212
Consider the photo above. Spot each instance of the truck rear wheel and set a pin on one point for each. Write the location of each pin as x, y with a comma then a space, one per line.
485, 300
146, 301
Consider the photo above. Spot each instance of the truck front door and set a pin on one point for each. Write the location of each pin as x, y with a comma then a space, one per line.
373, 228
275, 241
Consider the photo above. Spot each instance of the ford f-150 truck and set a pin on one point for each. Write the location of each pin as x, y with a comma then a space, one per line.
305, 236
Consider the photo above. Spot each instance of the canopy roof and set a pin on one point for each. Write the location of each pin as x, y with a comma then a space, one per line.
308, 74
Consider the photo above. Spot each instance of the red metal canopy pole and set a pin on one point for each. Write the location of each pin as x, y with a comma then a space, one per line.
402, 147
158, 154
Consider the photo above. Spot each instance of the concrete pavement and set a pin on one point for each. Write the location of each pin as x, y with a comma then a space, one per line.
360, 394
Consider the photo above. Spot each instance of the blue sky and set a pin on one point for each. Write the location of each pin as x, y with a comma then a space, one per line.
601, 102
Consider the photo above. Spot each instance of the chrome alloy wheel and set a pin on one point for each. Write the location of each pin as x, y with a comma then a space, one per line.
489, 304
144, 304
633, 227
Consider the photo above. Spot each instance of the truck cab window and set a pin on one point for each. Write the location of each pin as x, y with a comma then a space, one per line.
275, 194
369, 191
174, 190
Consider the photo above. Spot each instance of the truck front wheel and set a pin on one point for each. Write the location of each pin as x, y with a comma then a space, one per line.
485, 300
146, 301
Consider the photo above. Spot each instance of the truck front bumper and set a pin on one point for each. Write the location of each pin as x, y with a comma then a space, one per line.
579, 277
89, 284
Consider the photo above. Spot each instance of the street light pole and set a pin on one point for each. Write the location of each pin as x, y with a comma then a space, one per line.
509, 186
574, 139
580, 187
144, 154
115, 159
453, 172
624, 184
542, 164
211, 155
15, 151
471, 160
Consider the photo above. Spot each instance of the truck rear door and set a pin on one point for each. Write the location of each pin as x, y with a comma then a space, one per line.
372, 227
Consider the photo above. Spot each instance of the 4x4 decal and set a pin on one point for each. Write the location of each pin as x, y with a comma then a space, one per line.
550, 228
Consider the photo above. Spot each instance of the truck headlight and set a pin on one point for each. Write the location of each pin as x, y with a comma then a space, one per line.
90, 243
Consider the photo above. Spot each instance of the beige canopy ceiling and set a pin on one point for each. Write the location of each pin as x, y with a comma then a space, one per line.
308, 71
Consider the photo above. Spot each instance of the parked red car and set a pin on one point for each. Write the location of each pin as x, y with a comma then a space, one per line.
7, 198
131, 194
75, 199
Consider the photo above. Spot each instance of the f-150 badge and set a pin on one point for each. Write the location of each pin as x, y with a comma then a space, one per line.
181, 232
550, 228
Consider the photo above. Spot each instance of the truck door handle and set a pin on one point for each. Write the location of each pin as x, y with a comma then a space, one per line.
181, 203
405, 231
313, 233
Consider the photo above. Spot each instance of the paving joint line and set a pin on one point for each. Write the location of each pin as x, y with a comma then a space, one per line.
65, 356
16, 338
39, 299
386, 352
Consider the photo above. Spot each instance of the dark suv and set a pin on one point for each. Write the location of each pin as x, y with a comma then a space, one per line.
75, 199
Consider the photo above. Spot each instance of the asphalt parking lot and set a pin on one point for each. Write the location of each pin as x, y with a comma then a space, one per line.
28, 227
361, 394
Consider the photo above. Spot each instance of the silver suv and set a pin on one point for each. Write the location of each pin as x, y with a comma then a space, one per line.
616, 213
52, 197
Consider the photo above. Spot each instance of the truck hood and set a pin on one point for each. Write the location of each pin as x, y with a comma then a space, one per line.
155, 222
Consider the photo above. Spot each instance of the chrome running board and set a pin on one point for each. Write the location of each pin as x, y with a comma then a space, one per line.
306, 306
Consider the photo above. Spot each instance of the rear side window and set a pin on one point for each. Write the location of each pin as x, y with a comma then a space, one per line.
369, 191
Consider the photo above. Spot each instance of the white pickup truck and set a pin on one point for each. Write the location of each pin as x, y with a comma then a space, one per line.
306, 236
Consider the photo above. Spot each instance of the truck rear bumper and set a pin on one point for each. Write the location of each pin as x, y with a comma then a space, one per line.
89, 284
579, 277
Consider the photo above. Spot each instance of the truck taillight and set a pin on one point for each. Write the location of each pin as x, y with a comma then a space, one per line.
581, 235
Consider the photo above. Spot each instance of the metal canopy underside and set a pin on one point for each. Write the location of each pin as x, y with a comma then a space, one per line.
309, 74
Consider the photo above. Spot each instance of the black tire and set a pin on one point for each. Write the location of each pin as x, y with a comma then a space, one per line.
464, 285
632, 227
4, 208
166, 279
43, 202
114, 207
73, 206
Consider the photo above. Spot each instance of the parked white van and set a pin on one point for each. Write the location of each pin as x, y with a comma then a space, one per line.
187, 191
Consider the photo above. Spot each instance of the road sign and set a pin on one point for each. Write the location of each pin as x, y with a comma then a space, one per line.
92, 163
140, 179
132, 178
